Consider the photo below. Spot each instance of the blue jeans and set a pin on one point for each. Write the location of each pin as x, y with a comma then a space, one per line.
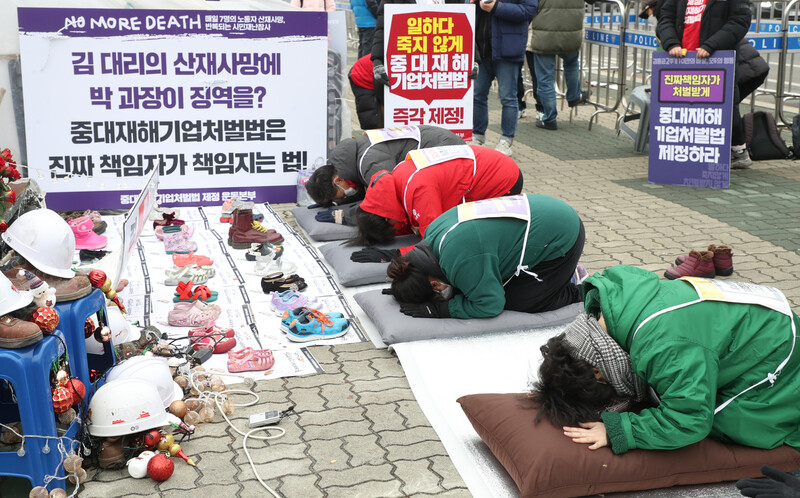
506, 74
545, 66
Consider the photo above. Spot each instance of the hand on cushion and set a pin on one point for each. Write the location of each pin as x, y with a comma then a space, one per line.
331, 216
593, 433
373, 255
778, 484
431, 309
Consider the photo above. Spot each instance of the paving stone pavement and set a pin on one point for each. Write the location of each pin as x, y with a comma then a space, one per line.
359, 430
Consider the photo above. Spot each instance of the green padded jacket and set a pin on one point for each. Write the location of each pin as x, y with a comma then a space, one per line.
695, 358
557, 27
479, 255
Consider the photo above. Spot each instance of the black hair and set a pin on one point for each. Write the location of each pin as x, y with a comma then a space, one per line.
372, 229
409, 283
567, 391
320, 185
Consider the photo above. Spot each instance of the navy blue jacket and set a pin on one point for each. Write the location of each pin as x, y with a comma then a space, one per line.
505, 37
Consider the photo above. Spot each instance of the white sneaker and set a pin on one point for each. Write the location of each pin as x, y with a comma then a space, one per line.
522, 113
478, 139
504, 146
740, 159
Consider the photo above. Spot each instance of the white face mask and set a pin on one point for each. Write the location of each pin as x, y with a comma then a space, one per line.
445, 294
348, 191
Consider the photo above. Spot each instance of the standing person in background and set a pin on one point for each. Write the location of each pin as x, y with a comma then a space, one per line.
557, 30
501, 30
317, 5
369, 107
706, 26
365, 12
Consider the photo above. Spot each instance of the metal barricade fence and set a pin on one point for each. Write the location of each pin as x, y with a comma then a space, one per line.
610, 37
603, 50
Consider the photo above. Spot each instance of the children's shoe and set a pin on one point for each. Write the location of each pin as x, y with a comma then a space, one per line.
317, 327
174, 241
272, 283
243, 231
185, 293
696, 264
273, 264
85, 237
262, 249
232, 204
167, 219
212, 337
189, 273
191, 259
186, 229
290, 316
253, 361
287, 300
157, 212
226, 216
193, 314
89, 256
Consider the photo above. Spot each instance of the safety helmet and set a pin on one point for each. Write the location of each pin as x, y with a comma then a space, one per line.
125, 406
43, 238
12, 298
155, 371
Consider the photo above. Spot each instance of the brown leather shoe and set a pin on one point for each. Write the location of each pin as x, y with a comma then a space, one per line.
15, 334
67, 289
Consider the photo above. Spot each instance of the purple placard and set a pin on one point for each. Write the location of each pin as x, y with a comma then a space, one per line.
127, 22
124, 199
692, 86
690, 121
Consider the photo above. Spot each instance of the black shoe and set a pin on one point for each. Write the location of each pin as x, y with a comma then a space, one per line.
280, 284
547, 125
89, 256
580, 100
100, 227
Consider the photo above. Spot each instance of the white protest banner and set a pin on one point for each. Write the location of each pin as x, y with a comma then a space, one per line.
223, 103
428, 57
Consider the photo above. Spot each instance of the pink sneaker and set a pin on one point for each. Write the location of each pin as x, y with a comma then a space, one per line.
85, 238
186, 229
195, 314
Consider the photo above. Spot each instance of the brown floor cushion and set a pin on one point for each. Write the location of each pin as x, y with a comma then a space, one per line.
544, 462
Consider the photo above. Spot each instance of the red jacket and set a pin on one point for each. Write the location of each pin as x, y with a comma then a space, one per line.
435, 189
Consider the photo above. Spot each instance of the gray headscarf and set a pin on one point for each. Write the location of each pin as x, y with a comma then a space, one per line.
587, 341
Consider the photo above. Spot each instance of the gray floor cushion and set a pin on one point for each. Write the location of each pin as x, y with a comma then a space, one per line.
394, 326
352, 274
321, 231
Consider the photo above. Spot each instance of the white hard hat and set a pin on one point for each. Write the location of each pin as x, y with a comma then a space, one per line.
10, 297
155, 371
43, 238
125, 406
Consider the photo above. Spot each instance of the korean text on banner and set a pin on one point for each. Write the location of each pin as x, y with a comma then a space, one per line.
224, 104
429, 56
691, 104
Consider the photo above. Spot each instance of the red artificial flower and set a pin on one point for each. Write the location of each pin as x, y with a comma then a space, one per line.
3, 226
12, 174
2, 164
10, 196
5, 154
